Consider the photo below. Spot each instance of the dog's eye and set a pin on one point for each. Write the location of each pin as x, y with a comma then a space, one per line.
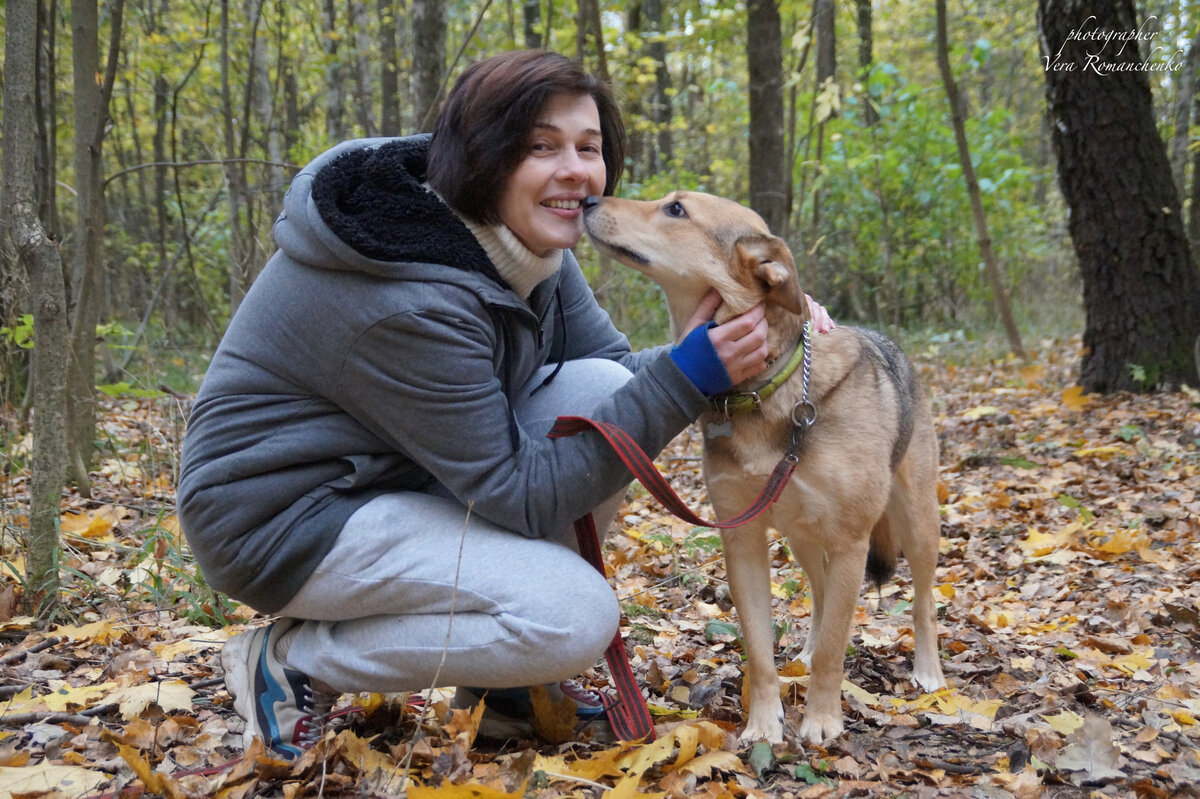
675, 209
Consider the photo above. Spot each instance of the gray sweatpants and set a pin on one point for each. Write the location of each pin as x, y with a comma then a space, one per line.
415, 592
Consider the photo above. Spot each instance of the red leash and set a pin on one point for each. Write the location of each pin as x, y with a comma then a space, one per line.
648, 475
628, 713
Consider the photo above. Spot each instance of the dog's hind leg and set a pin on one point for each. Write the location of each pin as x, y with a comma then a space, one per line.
747, 563
913, 510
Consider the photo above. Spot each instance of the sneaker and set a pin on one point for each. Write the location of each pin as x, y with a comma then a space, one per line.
508, 712
280, 705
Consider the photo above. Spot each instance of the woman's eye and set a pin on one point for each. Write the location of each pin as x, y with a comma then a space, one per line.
675, 209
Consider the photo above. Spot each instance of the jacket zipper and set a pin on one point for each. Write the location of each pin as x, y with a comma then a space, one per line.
541, 336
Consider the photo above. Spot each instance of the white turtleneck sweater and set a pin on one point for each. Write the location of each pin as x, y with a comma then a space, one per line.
515, 262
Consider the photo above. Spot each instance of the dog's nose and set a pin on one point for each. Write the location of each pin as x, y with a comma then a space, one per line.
590, 202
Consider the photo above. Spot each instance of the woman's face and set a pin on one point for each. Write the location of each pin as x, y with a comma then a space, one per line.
542, 202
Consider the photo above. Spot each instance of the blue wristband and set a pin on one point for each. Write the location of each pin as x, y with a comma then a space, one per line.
697, 358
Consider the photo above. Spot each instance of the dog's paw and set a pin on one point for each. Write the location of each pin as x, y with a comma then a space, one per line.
818, 728
763, 726
930, 678
756, 730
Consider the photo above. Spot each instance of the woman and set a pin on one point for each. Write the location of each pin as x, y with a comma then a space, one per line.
367, 456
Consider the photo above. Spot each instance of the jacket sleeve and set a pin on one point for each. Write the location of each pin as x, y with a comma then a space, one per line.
450, 414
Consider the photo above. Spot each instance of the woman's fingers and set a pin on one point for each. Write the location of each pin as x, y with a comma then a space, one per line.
741, 344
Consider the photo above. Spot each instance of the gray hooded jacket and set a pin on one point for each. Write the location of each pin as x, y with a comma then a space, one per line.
378, 352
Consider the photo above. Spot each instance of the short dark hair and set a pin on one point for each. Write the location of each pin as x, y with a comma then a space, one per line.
482, 133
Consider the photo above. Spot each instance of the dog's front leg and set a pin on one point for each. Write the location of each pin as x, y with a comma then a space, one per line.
843, 580
747, 562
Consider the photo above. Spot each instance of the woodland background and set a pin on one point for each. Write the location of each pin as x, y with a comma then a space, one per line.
1020, 226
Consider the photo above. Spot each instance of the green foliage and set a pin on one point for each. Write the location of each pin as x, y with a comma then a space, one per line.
892, 241
897, 242
20, 334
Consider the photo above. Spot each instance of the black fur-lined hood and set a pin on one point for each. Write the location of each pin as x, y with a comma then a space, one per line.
364, 206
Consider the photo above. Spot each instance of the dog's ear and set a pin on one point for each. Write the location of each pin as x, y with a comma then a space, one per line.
767, 262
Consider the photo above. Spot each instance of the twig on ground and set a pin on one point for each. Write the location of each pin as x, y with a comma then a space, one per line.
412, 744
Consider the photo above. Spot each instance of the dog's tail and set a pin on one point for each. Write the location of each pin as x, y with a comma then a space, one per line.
883, 554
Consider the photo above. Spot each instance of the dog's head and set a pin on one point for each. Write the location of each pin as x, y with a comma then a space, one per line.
689, 242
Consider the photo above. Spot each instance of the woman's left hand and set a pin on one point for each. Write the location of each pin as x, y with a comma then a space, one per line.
822, 322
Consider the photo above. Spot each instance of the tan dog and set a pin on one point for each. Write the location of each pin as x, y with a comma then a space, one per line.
865, 488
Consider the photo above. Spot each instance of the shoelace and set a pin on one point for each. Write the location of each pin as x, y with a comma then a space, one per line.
320, 710
582, 696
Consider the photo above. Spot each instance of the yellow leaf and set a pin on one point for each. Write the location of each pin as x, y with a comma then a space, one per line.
98, 632
628, 788
155, 781
358, 751
71, 781
947, 590
554, 720
603, 764
642, 759
1123, 541
1032, 374
66, 698
1103, 453
1183, 717
1065, 722
1134, 661
704, 765
862, 695
688, 737
953, 703
980, 411
169, 696
1039, 544
451, 791
1075, 399
23, 702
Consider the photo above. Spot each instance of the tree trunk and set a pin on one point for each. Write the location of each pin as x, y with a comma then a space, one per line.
1141, 289
1183, 115
93, 91
40, 256
335, 100
866, 59
429, 58
660, 102
234, 176
826, 96
957, 117
826, 30
533, 23
46, 100
764, 56
363, 105
389, 74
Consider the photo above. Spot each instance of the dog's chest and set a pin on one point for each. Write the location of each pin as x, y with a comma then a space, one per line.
744, 446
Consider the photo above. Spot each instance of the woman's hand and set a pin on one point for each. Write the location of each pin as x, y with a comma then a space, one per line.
741, 342
822, 322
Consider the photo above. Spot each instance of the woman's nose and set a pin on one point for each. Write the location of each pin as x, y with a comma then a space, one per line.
572, 167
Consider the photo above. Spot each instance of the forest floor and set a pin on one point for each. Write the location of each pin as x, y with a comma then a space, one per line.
1069, 618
